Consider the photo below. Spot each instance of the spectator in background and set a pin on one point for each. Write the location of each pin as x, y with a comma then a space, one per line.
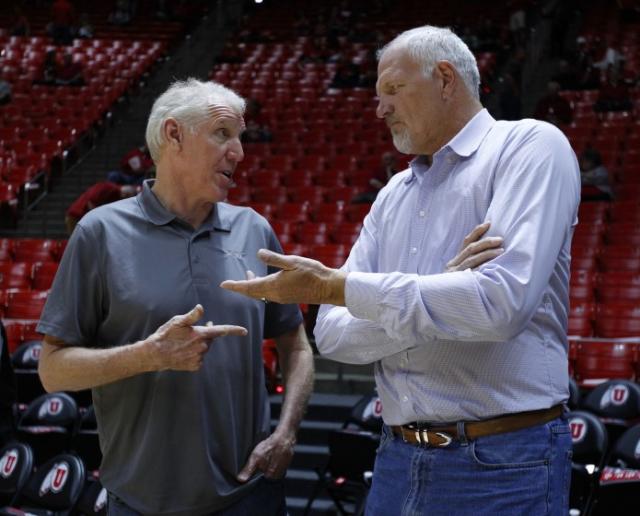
553, 107
388, 167
594, 177
347, 74
85, 30
20, 25
7, 390
62, 21
509, 98
5, 92
614, 93
135, 166
68, 72
101, 193
605, 54
254, 133
121, 15
48, 70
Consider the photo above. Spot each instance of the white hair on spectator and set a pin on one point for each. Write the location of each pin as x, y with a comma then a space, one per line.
429, 44
189, 102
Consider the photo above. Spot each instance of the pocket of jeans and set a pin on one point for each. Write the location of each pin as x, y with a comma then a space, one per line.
527, 448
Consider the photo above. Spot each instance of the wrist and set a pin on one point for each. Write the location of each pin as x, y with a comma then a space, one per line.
146, 354
337, 282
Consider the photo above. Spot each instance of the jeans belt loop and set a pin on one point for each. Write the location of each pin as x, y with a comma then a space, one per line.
462, 436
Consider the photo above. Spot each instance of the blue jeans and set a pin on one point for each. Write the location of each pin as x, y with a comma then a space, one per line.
266, 499
526, 472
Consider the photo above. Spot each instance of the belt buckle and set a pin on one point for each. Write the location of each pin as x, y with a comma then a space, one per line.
422, 437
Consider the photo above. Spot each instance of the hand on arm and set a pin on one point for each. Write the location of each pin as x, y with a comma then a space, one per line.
273, 455
177, 345
476, 250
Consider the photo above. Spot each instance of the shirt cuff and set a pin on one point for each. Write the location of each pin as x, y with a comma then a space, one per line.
361, 293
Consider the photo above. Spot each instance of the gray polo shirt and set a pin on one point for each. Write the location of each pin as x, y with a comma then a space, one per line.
172, 441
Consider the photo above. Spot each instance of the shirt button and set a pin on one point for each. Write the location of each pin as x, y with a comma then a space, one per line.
414, 250
405, 399
422, 213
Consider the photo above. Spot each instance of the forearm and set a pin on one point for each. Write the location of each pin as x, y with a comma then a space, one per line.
73, 368
296, 364
342, 337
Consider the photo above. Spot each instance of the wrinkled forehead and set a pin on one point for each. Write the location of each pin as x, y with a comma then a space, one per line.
218, 113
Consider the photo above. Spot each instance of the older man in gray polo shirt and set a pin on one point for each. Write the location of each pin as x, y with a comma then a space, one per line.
183, 421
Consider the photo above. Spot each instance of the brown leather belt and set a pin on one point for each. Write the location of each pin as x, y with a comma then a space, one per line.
441, 436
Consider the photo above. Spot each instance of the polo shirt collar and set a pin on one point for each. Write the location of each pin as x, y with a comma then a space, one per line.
151, 206
220, 218
463, 144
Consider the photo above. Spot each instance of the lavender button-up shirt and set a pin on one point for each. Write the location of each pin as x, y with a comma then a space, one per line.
478, 343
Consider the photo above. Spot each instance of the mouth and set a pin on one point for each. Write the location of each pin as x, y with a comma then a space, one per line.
229, 175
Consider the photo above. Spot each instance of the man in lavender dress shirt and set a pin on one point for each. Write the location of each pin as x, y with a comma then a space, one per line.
471, 365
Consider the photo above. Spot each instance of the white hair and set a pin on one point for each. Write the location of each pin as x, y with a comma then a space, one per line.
429, 44
189, 102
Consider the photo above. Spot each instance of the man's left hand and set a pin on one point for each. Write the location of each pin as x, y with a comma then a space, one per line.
271, 456
300, 280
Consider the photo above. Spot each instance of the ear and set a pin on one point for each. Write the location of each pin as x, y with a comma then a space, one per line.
448, 77
172, 132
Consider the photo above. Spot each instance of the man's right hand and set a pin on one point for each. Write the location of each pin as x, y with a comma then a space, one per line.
181, 346
476, 250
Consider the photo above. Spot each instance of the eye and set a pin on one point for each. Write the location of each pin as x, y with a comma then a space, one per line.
223, 132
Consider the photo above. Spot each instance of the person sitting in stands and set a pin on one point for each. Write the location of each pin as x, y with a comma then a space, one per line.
388, 167
20, 26
254, 133
69, 72
5, 92
614, 93
554, 108
135, 166
85, 31
62, 19
96, 195
594, 177
48, 71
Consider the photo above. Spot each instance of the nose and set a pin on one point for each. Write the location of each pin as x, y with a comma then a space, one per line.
235, 152
383, 108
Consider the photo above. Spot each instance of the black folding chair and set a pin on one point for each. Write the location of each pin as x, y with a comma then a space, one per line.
25, 367
55, 487
619, 489
93, 500
85, 440
48, 425
366, 414
617, 404
345, 478
16, 466
589, 436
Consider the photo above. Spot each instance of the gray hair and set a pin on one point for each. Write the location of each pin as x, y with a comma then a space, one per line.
189, 103
429, 44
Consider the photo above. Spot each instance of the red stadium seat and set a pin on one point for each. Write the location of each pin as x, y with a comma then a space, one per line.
35, 250
616, 327
357, 212
599, 361
43, 274
345, 232
15, 275
24, 304
277, 195
293, 212
311, 233
580, 327
310, 194
332, 213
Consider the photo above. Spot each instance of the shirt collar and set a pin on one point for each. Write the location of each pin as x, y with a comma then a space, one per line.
158, 214
463, 144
